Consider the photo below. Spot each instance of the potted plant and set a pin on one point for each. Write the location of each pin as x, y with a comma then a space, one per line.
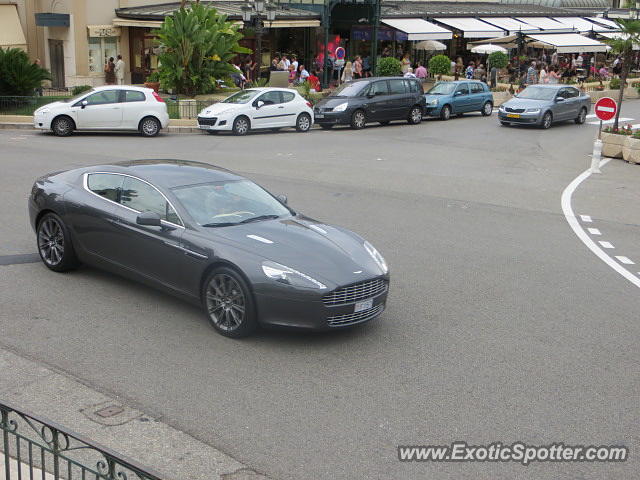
613, 140
439, 65
153, 81
631, 148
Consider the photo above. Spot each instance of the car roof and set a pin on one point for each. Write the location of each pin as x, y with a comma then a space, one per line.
121, 87
168, 173
552, 85
272, 89
462, 81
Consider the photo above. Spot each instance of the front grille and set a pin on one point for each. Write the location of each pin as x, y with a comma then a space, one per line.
352, 318
207, 121
514, 110
355, 292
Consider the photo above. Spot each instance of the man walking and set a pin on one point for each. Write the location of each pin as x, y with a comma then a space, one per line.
532, 75
119, 70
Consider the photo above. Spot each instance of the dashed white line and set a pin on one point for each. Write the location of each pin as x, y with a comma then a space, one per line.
594, 231
606, 244
625, 260
585, 218
582, 235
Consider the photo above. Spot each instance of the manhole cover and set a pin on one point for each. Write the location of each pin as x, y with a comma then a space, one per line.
110, 411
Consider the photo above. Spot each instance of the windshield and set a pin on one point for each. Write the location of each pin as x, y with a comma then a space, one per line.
78, 97
442, 89
537, 93
349, 89
230, 202
243, 96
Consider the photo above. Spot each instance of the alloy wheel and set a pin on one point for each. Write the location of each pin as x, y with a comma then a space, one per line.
150, 127
546, 120
416, 115
582, 117
51, 241
358, 119
226, 303
240, 126
488, 109
62, 126
446, 112
304, 122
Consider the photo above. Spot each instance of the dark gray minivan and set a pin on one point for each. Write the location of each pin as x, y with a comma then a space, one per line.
375, 99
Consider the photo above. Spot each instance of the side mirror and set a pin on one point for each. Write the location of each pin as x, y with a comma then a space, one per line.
371, 95
559, 99
150, 219
282, 199
259, 104
84, 103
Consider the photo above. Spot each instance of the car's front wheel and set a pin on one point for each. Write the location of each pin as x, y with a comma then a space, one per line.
547, 120
445, 113
63, 126
358, 120
582, 116
303, 123
54, 244
415, 115
241, 126
149, 127
487, 109
229, 304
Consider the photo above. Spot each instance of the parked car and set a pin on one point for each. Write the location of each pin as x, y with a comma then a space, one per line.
212, 237
543, 105
105, 108
382, 100
258, 108
454, 98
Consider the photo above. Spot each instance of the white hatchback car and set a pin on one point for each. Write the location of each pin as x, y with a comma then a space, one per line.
109, 107
258, 108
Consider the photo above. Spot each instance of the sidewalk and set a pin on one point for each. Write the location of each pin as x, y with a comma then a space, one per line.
133, 433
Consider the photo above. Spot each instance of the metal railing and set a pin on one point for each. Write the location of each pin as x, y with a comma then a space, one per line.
186, 109
25, 105
34, 447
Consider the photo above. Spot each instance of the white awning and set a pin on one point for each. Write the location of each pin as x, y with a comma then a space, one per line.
605, 21
11, 34
616, 35
569, 42
511, 25
581, 25
127, 22
472, 27
297, 23
545, 23
418, 29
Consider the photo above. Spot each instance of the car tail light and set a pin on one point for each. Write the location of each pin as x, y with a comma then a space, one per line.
310, 105
157, 97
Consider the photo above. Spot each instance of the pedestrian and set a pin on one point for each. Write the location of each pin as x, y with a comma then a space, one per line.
603, 72
119, 70
287, 62
109, 72
421, 72
357, 67
405, 63
544, 76
347, 73
294, 62
531, 77
409, 73
469, 71
249, 69
274, 65
314, 81
480, 73
617, 66
292, 75
303, 74
282, 65
366, 66
553, 76
554, 58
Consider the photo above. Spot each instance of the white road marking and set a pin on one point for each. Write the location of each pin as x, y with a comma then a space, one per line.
608, 122
582, 235
585, 218
594, 231
625, 260
606, 244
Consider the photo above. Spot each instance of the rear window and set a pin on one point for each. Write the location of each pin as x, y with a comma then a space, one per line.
287, 96
134, 96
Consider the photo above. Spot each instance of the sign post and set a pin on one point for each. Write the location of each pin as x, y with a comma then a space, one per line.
605, 109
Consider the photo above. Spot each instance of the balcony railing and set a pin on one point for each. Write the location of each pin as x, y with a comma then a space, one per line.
33, 447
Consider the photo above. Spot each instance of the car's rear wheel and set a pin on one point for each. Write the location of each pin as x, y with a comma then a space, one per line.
445, 113
358, 120
487, 109
415, 115
303, 123
582, 116
241, 126
547, 120
63, 126
149, 127
54, 244
229, 304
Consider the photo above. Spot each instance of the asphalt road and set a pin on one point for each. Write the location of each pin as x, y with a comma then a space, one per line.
501, 324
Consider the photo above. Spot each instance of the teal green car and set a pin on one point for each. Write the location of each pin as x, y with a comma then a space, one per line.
454, 98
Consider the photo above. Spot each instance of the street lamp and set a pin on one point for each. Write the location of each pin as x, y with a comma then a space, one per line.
253, 15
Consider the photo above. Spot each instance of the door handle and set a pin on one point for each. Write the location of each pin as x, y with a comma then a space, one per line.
281, 107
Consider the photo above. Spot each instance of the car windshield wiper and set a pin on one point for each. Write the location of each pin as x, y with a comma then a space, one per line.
258, 218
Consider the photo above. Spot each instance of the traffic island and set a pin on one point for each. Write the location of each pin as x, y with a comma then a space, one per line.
612, 144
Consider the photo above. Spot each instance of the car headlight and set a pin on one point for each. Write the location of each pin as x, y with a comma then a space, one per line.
375, 254
43, 111
341, 108
501, 109
290, 276
532, 110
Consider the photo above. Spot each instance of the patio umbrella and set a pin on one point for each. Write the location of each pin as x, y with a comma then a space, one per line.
488, 49
430, 45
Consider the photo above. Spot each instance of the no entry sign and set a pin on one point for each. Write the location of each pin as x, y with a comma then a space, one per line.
606, 108
340, 53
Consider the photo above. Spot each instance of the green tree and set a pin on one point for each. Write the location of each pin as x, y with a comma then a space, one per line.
389, 67
439, 65
197, 45
623, 46
18, 76
498, 60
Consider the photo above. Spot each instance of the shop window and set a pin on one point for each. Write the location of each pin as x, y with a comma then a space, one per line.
100, 50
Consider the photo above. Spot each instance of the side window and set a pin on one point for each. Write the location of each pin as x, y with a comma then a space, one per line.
270, 98
134, 96
103, 97
572, 93
287, 96
563, 93
416, 87
476, 88
396, 87
106, 185
463, 88
378, 88
144, 198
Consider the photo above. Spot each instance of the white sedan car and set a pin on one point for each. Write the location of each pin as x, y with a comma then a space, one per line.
258, 108
105, 108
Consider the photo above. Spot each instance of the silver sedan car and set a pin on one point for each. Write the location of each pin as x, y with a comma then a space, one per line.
543, 105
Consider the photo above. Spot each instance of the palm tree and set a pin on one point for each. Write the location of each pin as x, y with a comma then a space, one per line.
623, 45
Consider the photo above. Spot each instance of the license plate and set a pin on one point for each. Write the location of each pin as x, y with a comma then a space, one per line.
513, 115
319, 115
363, 305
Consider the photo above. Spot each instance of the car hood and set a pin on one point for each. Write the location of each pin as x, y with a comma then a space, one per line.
53, 106
332, 102
218, 108
428, 97
325, 252
525, 103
